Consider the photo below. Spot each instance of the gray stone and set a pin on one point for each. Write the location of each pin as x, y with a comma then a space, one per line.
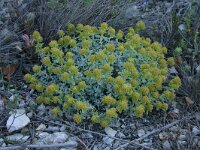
30, 114
57, 137
140, 132
3, 145
120, 135
109, 131
108, 141
107, 148
182, 137
132, 12
72, 142
60, 137
182, 27
17, 120
182, 142
41, 108
198, 69
1, 141
166, 145
41, 127
63, 128
42, 135
195, 131
53, 128
173, 70
17, 138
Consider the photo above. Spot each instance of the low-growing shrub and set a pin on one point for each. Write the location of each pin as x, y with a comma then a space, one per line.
98, 73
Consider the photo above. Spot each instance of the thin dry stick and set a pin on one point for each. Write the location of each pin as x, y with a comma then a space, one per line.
156, 131
37, 146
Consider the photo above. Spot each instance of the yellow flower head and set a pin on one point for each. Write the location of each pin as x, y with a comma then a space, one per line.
111, 31
37, 36
127, 88
105, 122
110, 47
70, 100
175, 83
106, 67
95, 118
73, 70
36, 68
121, 47
140, 26
104, 25
159, 105
39, 99
122, 105
87, 72
108, 100
55, 111
79, 27
81, 105
70, 27
28, 77
86, 44
164, 106
61, 33
39, 87
97, 73
57, 70
72, 43
55, 99
56, 52
155, 95
170, 61
120, 34
135, 96
82, 85
100, 56
70, 62
139, 111
74, 89
46, 100
145, 100
119, 80
46, 61
33, 80
144, 90
65, 106
111, 58
69, 55
92, 58
77, 118
53, 43
64, 77
168, 95
134, 82
110, 79
149, 107
111, 113
83, 51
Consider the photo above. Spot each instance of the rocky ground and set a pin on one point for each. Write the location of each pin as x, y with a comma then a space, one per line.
23, 125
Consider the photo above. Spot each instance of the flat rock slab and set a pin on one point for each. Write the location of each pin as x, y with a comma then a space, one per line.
17, 120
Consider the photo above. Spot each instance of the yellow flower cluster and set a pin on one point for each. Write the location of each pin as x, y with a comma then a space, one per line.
108, 100
99, 73
175, 83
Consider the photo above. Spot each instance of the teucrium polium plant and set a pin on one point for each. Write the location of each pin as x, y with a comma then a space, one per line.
98, 73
